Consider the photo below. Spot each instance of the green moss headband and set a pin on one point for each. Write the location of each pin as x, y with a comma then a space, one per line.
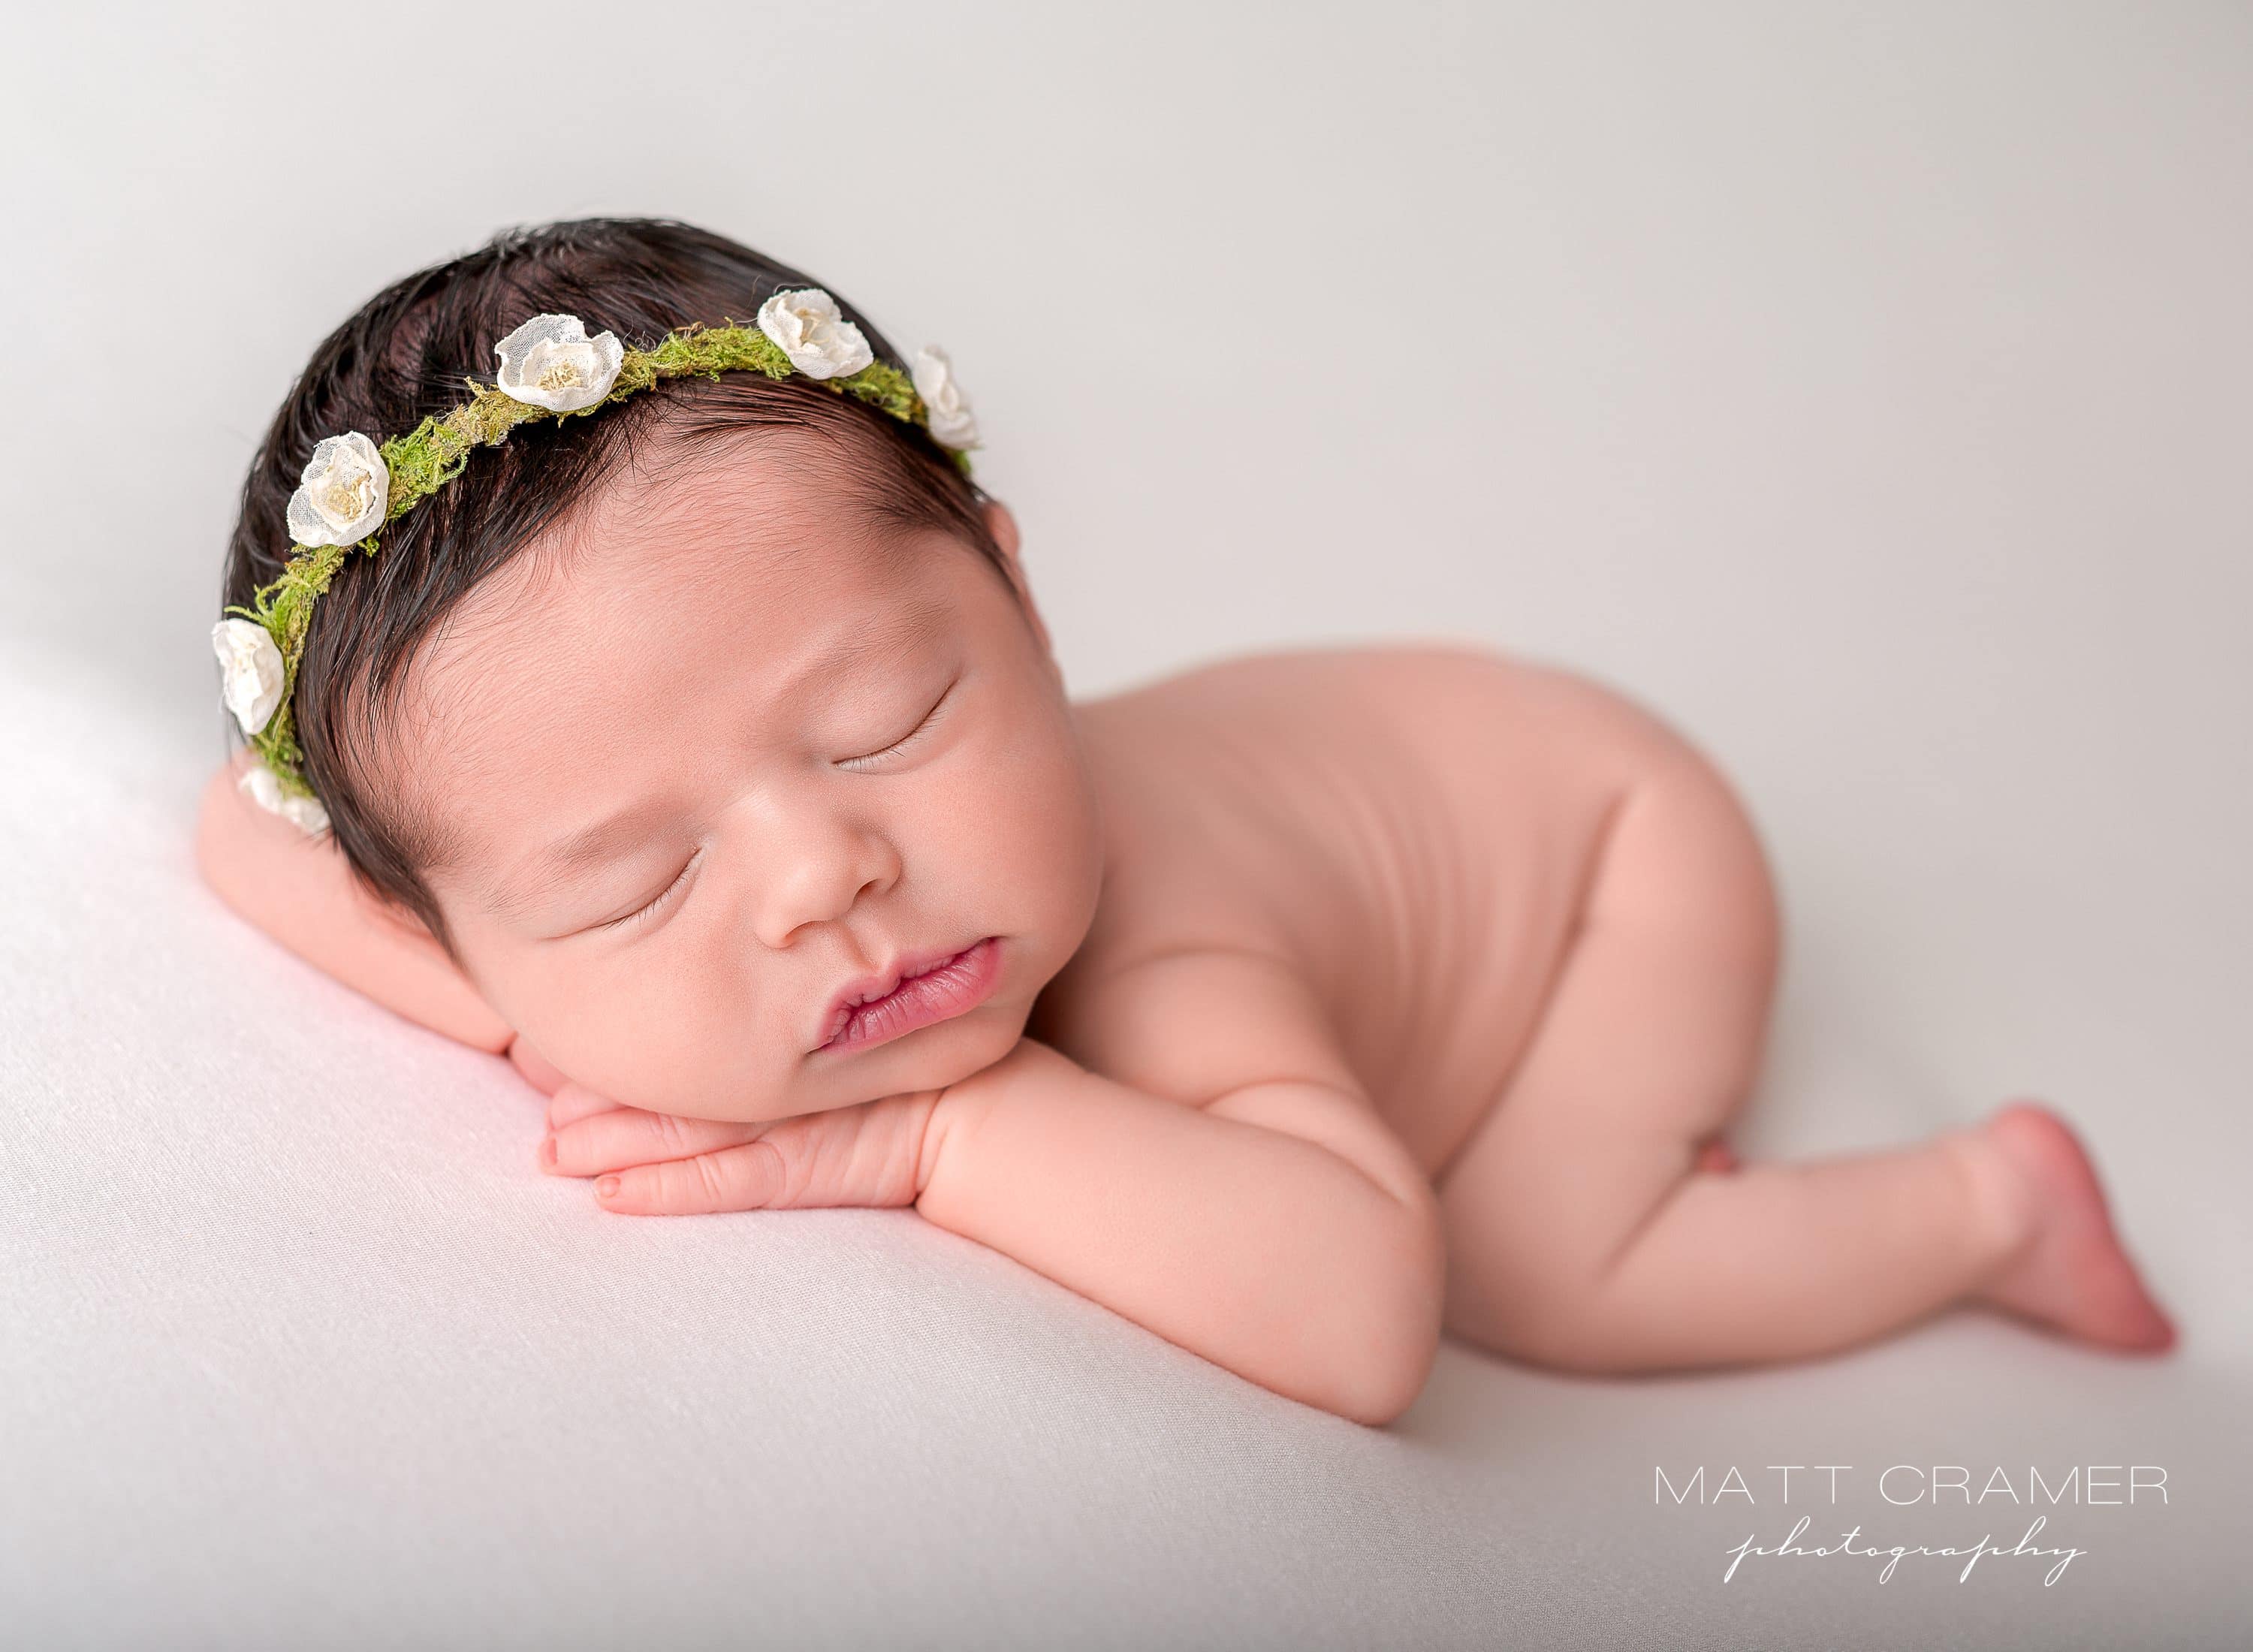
550, 368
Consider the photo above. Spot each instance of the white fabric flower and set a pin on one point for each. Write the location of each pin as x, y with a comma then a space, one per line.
265, 790
952, 421
551, 363
252, 662
345, 486
814, 334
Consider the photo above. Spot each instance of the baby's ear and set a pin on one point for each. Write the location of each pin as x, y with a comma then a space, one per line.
1003, 526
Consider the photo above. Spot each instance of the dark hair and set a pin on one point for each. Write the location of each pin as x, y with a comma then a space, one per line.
405, 354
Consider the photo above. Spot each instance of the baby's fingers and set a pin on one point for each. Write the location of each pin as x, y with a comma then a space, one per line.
618, 1136
746, 1177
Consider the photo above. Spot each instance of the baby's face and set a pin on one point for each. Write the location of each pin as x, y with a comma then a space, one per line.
723, 747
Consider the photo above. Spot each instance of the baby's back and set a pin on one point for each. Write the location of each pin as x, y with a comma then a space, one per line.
1411, 827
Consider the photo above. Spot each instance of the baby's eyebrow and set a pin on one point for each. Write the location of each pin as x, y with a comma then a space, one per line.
600, 841
510, 897
894, 634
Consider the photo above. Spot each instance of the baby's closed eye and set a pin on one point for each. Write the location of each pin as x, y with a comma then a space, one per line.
923, 725
665, 897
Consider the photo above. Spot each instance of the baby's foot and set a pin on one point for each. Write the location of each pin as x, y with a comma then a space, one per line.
2071, 1273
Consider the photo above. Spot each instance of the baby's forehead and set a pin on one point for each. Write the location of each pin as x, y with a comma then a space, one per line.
768, 539
666, 624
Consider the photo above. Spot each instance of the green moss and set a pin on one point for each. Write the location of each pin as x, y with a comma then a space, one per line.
285, 608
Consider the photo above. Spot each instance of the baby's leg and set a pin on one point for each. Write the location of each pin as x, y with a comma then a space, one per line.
1581, 1231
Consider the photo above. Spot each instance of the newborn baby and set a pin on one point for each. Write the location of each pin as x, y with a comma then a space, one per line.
709, 757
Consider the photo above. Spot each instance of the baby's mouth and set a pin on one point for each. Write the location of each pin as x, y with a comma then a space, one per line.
934, 990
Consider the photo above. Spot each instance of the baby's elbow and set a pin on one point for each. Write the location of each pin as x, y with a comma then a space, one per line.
1389, 1381
1398, 1341
226, 844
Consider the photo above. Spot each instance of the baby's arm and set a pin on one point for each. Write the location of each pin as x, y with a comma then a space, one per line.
299, 890
1222, 1180
1241, 1198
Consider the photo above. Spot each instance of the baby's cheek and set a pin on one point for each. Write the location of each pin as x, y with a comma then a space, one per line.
1028, 835
664, 1038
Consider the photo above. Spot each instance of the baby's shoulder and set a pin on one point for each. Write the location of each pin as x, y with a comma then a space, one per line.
1307, 682
1355, 704
1252, 714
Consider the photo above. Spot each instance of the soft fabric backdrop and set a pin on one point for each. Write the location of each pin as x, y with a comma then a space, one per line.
1864, 387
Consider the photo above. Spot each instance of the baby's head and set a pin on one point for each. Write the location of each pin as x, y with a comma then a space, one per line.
673, 722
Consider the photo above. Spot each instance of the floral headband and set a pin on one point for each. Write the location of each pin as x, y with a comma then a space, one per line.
549, 368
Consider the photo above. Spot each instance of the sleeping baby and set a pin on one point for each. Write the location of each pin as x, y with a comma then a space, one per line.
672, 712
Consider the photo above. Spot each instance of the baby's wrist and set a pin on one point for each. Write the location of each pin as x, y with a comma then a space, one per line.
954, 1113
962, 1106
935, 1126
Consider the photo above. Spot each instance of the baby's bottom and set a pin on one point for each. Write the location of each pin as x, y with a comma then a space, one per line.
1582, 1232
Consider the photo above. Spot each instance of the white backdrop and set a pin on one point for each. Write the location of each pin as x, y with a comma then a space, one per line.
1864, 387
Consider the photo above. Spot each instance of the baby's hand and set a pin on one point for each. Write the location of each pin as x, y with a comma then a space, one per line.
655, 1164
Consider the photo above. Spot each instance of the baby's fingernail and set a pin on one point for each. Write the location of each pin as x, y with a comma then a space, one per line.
547, 1153
606, 1186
